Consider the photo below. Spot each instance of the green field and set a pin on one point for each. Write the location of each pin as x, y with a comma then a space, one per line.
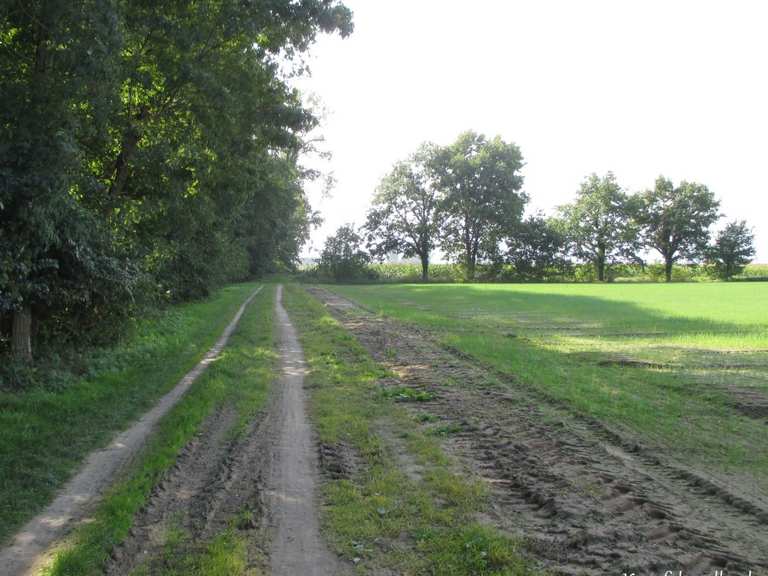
683, 367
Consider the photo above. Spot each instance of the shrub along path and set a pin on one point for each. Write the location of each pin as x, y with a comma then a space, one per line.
40, 532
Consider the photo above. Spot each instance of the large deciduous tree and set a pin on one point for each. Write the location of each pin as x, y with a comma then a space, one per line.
481, 183
676, 219
58, 80
733, 248
147, 141
405, 217
598, 224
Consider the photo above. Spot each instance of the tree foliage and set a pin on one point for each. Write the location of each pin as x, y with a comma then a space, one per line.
598, 224
406, 215
343, 257
148, 150
481, 185
536, 247
732, 249
676, 220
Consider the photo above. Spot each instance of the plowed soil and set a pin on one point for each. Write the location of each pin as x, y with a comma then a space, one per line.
585, 499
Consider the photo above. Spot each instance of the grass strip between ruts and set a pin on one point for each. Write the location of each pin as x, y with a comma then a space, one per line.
241, 377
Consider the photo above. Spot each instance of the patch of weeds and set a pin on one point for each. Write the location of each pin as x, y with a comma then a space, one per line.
245, 520
225, 555
405, 394
445, 429
175, 537
473, 549
426, 417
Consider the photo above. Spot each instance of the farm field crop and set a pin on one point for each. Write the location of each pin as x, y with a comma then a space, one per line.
683, 368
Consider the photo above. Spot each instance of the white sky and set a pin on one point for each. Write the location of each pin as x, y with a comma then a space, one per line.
638, 87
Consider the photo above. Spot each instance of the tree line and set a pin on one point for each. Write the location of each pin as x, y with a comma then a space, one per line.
148, 153
466, 199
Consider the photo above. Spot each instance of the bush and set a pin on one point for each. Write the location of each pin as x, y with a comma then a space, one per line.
343, 258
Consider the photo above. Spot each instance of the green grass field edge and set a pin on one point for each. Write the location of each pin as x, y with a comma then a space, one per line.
684, 412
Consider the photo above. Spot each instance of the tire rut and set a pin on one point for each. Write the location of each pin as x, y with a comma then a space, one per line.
583, 498
217, 481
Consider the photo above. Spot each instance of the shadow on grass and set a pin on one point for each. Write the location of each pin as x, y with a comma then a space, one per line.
535, 310
518, 333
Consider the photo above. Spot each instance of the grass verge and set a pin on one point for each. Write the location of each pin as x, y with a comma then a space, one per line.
45, 432
402, 506
241, 377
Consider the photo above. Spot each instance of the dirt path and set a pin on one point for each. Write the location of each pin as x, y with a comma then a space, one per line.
28, 548
584, 499
297, 547
262, 483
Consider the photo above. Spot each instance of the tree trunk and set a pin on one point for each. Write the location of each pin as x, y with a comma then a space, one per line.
425, 268
600, 266
668, 269
470, 264
121, 167
128, 145
21, 334
600, 263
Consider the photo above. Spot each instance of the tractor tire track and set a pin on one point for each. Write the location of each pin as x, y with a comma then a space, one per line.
217, 481
584, 499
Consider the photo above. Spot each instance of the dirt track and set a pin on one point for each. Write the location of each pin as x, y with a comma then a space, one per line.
585, 499
262, 483
28, 548
296, 547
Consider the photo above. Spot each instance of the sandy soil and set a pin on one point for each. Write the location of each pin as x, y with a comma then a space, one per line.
584, 498
28, 548
297, 547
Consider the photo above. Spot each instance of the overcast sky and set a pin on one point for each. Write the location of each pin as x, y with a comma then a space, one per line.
641, 88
